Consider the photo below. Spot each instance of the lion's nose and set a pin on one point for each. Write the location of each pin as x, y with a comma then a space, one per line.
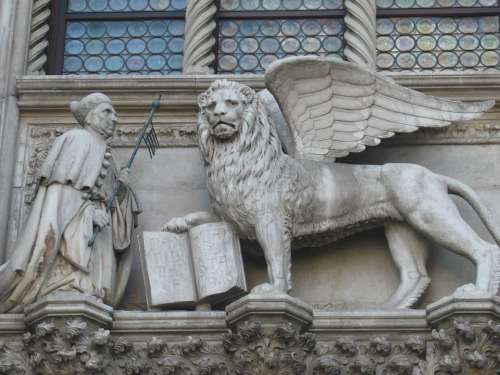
220, 110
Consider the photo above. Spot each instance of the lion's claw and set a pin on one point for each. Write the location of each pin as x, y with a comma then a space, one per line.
267, 288
176, 225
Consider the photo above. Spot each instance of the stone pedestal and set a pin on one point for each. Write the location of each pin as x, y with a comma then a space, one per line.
266, 335
465, 307
270, 311
64, 306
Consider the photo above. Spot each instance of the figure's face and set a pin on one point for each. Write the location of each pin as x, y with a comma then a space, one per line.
104, 119
224, 112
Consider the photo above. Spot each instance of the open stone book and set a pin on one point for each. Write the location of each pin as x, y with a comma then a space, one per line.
203, 265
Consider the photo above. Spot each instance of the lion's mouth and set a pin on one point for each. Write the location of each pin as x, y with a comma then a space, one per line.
224, 129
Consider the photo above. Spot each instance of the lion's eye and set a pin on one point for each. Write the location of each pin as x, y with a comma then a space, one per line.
232, 102
211, 105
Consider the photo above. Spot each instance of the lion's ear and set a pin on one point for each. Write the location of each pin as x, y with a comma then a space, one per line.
247, 93
202, 100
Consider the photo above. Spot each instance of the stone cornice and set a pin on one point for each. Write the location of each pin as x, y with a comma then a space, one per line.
43, 102
54, 92
130, 92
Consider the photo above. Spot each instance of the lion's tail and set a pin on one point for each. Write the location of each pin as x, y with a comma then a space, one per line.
464, 191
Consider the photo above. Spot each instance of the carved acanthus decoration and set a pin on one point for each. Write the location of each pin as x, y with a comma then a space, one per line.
37, 55
75, 348
283, 351
377, 356
286, 351
361, 33
465, 349
13, 360
199, 40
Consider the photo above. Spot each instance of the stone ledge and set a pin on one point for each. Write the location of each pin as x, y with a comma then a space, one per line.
12, 323
133, 91
169, 321
458, 306
370, 321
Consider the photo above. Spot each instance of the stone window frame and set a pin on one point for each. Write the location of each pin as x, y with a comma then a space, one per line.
200, 39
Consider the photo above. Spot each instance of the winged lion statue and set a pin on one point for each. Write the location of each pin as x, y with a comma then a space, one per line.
304, 198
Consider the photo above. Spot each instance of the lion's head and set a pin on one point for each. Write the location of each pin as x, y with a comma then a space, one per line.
232, 115
223, 107
236, 137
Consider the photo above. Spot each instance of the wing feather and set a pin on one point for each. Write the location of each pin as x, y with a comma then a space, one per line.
334, 107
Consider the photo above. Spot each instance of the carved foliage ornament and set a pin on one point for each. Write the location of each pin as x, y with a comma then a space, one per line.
75, 348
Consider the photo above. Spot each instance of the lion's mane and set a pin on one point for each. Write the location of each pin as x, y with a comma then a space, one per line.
251, 164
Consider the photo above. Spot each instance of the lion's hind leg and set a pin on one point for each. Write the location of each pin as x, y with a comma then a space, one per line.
438, 219
409, 251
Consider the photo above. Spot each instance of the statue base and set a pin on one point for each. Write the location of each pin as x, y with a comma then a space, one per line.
68, 333
270, 311
69, 305
471, 307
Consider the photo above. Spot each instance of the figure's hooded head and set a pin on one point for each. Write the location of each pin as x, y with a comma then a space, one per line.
96, 111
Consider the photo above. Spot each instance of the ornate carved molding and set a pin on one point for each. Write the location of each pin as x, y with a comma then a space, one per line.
199, 37
377, 355
76, 348
472, 133
283, 351
361, 34
465, 347
37, 55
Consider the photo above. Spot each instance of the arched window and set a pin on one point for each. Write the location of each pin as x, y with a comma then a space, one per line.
147, 36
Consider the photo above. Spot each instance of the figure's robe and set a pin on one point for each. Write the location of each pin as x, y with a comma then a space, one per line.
52, 252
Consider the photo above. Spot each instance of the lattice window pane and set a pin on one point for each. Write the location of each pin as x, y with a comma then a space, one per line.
438, 43
269, 5
89, 6
410, 4
145, 47
251, 45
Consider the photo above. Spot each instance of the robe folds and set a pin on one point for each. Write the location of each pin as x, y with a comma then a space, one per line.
52, 253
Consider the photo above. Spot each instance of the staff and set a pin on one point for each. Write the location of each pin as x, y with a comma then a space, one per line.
148, 134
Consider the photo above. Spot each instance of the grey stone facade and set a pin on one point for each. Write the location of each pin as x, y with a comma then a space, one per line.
344, 333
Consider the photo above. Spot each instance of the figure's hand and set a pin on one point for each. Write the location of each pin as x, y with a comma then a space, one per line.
124, 176
176, 225
101, 218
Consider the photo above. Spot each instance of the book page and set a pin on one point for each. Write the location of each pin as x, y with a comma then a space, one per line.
217, 261
169, 269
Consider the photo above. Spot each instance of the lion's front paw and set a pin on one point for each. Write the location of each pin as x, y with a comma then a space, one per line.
470, 289
267, 288
176, 225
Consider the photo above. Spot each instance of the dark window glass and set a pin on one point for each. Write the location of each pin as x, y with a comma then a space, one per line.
438, 43
118, 36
